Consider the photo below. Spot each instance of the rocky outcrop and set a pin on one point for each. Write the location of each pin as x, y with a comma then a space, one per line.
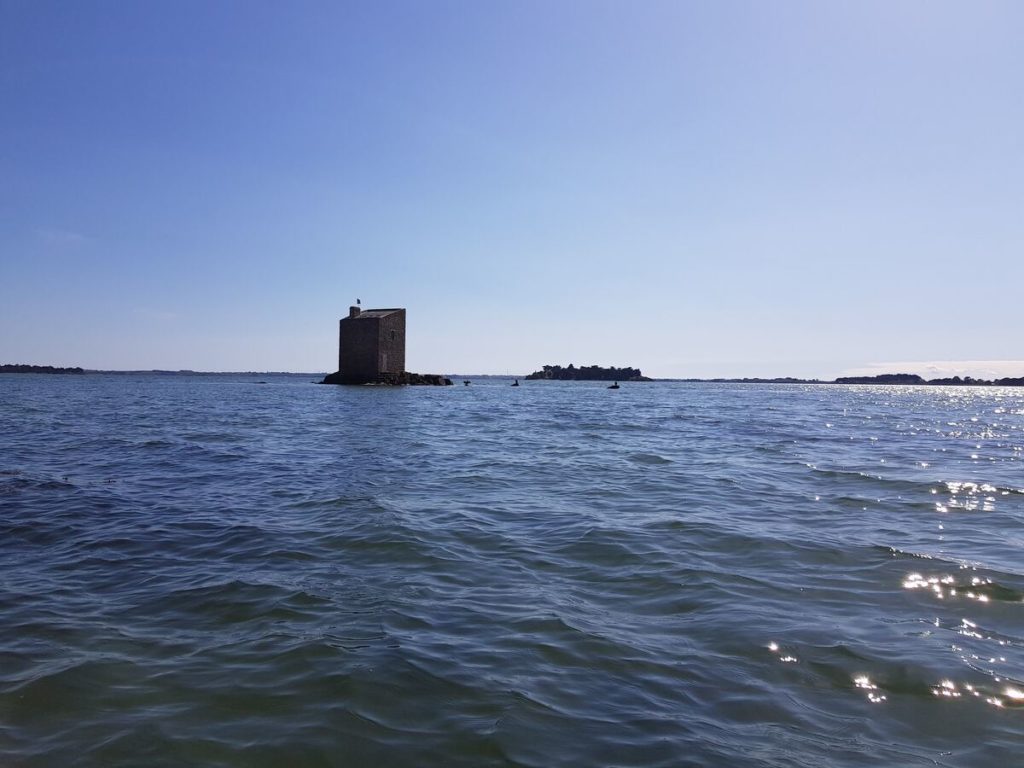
587, 373
391, 379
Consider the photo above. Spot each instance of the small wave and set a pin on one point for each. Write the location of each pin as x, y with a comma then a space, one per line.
20, 483
974, 587
649, 458
859, 477
882, 681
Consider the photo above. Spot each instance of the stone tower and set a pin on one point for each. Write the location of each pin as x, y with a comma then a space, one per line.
371, 346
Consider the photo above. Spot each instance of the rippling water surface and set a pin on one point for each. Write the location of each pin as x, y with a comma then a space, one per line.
212, 571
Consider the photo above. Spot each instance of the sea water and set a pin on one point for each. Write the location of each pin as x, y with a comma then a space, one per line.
257, 571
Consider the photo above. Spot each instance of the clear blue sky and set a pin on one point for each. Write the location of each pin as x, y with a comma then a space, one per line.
693, 188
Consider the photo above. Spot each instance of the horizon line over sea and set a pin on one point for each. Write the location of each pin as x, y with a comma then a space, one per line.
873, 379
735, 371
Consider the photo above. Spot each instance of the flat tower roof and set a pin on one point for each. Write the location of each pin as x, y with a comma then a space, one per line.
376, 312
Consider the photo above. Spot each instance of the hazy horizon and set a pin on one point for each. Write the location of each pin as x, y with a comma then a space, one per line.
978, 369
697, 190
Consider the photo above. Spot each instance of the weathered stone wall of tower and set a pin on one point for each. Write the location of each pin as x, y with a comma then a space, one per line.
358, 354
391, 342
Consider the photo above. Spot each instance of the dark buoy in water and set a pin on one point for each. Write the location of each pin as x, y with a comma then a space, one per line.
516, 384
614, 386
466, 382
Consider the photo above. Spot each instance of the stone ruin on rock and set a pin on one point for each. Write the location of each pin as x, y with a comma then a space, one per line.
371, 350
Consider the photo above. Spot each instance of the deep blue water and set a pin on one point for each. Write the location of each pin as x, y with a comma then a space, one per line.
211, 571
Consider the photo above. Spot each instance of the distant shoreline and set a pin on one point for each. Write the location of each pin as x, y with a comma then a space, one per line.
49, 369
21, 368
887, 379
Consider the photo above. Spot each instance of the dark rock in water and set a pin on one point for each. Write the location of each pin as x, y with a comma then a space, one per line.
426, 379
391, 379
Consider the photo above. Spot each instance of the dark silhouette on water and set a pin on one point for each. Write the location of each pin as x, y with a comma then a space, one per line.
615, 386
588, 373
516, 384
20, 368
371, 350
912, 378
888, 379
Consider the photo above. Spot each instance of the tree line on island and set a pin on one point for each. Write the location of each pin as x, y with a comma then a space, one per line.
893, 379
913, 378
588, 373
20, 368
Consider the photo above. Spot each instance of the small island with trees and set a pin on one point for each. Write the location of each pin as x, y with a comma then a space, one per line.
20, 368
889, 379
913, 378
587, 373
